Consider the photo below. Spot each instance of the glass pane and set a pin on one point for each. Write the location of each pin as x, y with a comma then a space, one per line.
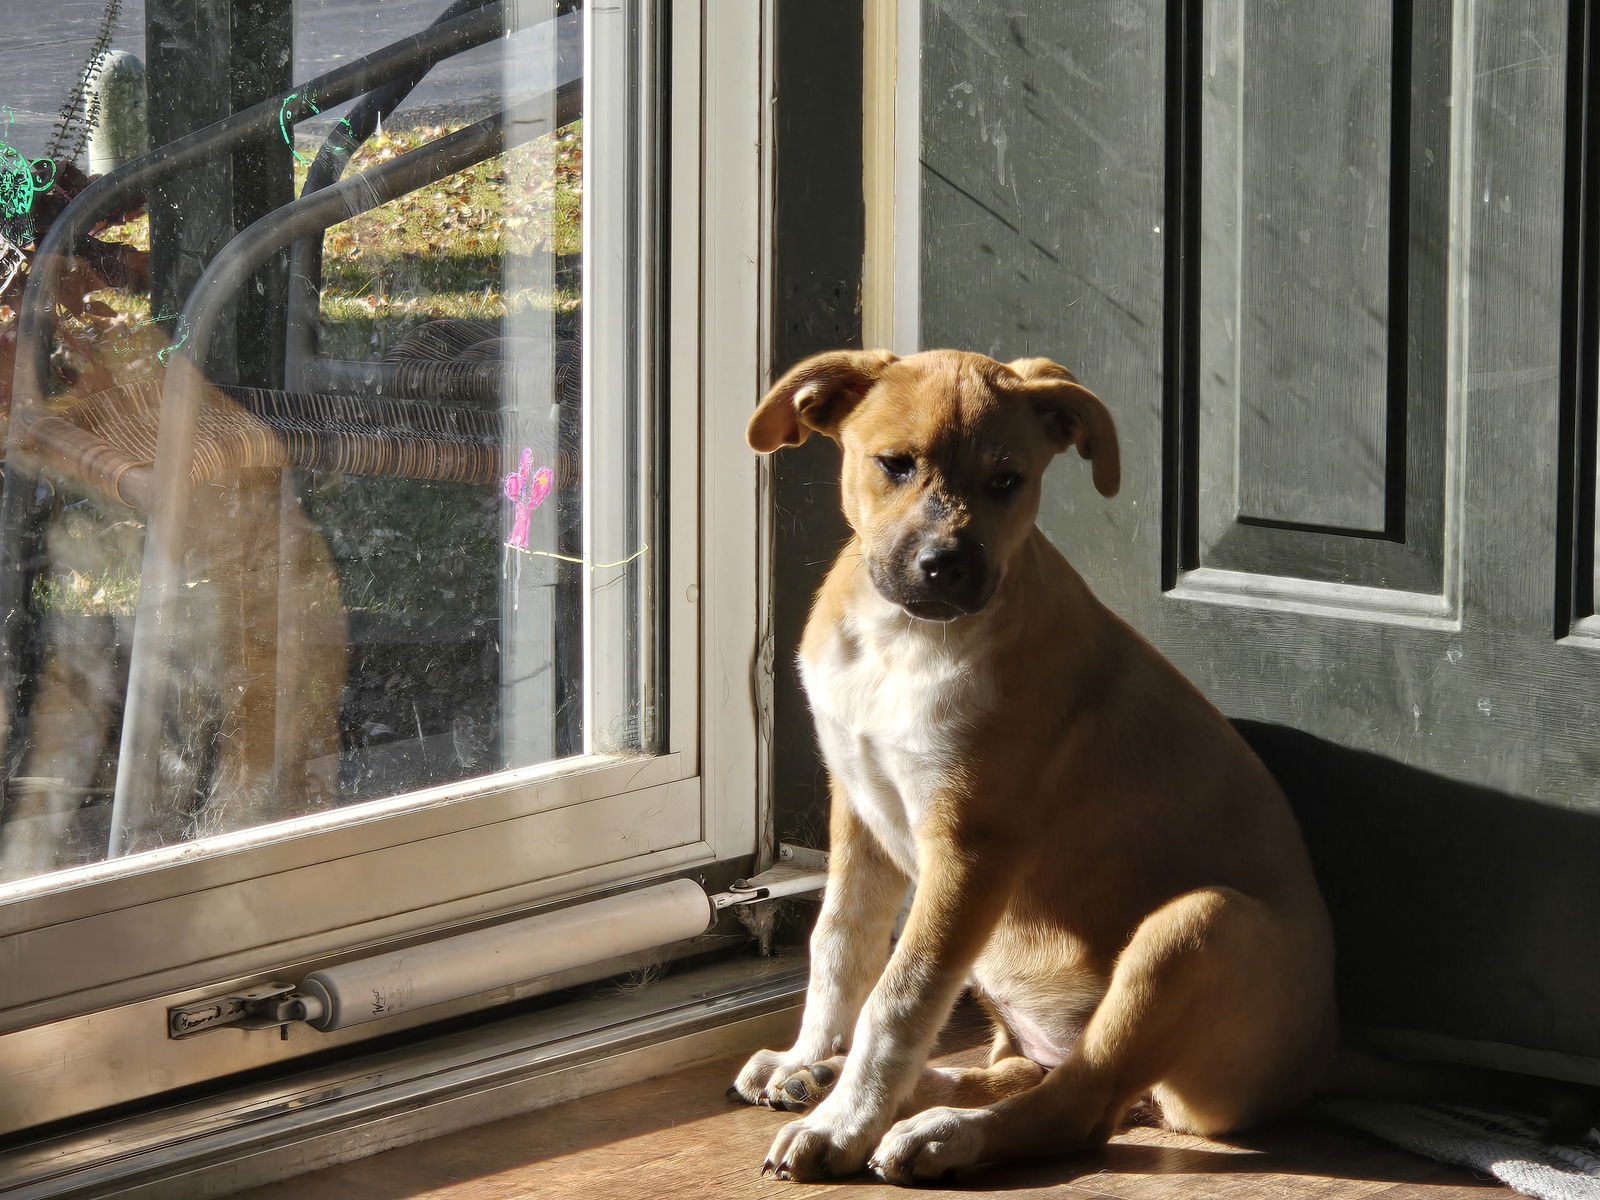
312, 502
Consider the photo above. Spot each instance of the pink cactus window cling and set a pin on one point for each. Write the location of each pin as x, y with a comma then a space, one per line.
528, 488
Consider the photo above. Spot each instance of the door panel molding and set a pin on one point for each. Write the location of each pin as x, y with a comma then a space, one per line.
1421, 610
1256, 455
1305, 141
1576, 530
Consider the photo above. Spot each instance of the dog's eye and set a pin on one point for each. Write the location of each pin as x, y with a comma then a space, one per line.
1004, 481
898, 467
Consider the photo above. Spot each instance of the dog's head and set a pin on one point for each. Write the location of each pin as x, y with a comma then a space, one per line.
943, 454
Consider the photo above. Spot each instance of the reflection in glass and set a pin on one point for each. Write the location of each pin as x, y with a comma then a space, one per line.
295, 510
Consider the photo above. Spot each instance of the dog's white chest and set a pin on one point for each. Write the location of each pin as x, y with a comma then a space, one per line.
894, 711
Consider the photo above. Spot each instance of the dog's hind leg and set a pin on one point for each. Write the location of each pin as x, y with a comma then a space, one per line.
954, 1087
958, 1087
973, 1087
1007, 1074
1218, 1003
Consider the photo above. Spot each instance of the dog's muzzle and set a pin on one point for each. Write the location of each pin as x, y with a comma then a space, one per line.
936, 578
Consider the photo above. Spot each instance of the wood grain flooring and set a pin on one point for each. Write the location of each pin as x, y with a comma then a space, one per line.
679, 1137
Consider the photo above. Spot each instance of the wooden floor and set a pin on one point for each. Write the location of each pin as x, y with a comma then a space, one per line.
678, 1137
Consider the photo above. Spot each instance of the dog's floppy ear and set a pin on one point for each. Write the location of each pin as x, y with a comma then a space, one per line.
1072, 415
817, 394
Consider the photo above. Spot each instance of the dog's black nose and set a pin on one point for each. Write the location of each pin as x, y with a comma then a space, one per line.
945, 564
937, 577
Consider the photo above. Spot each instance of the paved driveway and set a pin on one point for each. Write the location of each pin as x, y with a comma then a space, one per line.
45, 47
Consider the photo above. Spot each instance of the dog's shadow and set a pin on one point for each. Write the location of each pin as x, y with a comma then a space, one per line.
1458, 909
1295, 1148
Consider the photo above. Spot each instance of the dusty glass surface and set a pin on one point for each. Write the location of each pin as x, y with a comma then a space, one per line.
294, 524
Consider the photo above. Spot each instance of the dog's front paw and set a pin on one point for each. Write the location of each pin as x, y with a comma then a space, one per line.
931, 1144
816, 1147
785, 1080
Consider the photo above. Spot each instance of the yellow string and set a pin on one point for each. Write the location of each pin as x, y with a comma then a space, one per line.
582, 562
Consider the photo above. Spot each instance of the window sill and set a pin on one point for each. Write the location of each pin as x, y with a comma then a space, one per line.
351, 1109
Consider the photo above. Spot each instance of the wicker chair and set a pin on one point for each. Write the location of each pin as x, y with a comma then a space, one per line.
107, 441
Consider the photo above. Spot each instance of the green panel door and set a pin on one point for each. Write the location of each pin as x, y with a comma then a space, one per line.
1329, 266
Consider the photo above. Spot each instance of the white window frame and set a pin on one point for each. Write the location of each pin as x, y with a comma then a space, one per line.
891, 155
90, 958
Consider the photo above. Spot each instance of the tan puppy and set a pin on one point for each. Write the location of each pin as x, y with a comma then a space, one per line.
1095, 850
